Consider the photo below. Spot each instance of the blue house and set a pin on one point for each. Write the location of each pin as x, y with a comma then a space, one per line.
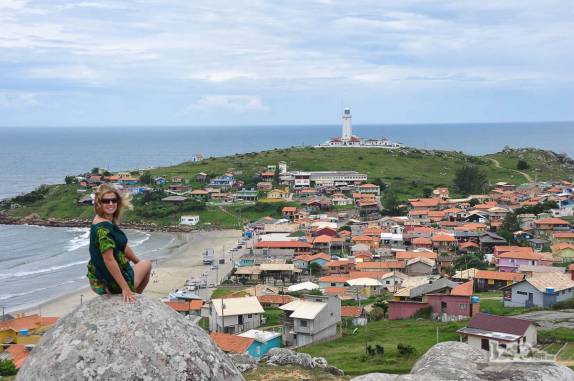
225, 181
254, 343
263, 341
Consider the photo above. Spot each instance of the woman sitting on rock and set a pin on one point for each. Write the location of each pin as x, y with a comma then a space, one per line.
109, 270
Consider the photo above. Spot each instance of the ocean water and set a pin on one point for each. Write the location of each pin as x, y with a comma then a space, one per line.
40, 263
33, 156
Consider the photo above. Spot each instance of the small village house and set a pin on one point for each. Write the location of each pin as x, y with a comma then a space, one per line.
488, 280
189, 220
254, 343
542, 290
234, 315
492, 332
353, 316
186, 307
310, 319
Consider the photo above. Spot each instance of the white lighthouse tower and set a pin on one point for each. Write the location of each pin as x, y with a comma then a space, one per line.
347, 126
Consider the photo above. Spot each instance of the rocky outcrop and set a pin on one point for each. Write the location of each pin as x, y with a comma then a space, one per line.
284, 356
107, 339
452, 360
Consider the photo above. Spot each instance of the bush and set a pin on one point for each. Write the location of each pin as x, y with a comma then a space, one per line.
406, 350
376, 314
522, 165
36, 195
564, 305
380, 349
7, 368
423, 313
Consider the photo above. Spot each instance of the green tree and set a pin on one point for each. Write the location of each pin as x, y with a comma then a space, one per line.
95, 171
70, 180
470, 179
509, 226
7, 368
276, 175
522, 165
427, 192
467, 261
391, 203
146, 178
315, 268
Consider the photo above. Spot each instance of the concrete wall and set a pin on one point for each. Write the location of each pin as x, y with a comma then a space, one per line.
233, 322
457, 307
419, 268
404, 310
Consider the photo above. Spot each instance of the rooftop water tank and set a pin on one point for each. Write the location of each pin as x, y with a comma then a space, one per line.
475, 299
550, 290
24, 332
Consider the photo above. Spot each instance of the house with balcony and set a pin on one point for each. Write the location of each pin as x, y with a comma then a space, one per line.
224, 182
234, 315
310, 320
545, 226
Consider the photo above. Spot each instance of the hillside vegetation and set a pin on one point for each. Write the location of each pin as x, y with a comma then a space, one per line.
408, 172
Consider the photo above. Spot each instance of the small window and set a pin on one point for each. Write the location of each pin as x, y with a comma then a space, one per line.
303, 323
249, 316
463, 306
521, 293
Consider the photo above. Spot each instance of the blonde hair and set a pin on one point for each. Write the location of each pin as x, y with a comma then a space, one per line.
124, 201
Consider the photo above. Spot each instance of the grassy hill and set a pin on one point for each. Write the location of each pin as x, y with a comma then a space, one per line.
407, 171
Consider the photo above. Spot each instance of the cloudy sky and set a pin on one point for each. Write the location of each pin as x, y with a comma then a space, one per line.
233, 62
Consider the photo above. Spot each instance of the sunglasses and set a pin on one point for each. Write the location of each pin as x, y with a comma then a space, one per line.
109, 200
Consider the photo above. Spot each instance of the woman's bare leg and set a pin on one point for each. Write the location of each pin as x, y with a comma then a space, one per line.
142, 270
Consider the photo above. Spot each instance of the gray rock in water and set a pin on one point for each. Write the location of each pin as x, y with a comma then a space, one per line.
452, 360
107, 339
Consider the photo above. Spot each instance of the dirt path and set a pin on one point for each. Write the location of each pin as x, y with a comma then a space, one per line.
497, 165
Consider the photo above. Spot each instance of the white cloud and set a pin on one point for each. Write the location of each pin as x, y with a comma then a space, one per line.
12, 100
233, 103
67, 72
12, 4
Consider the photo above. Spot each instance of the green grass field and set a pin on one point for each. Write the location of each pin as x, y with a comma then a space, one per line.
495, 306
567, 353
348, 352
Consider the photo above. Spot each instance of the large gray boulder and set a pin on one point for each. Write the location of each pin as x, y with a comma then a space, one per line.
453, 360
107, 339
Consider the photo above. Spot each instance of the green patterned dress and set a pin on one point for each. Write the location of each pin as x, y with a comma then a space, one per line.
104, 236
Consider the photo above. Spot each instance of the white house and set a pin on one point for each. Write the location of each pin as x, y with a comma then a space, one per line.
541, 290
499, 333
234, 315
310, 319
189, 220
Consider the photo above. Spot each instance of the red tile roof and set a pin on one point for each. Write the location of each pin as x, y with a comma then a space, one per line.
231, 343
499, 275
362, 238
27, 322
465, 289
422, 241
334, 279
443, 238
334, 290
380, 265
563, 234
405, 255
551, 221
287, 209
424, 202
367, 274
323, 239
521, 255
283, 245
18, 354
351, 311
502, 324
275, 299
185, 306
468, 244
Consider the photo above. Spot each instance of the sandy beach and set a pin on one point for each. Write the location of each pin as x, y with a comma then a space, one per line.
184, 262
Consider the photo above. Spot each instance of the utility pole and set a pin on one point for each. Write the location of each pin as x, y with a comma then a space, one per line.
3, 314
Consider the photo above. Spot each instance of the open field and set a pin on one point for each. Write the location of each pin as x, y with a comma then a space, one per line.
348, 352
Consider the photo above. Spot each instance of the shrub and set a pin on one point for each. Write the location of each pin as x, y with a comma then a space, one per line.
7, 368
423, 313
376, 314
406, 350
380, 349
564, 305
522, 165
370, 351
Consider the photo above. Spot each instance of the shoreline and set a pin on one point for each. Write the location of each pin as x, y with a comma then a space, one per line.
183, 262
6, 219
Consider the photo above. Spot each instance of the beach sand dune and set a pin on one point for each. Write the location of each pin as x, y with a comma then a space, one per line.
183, 262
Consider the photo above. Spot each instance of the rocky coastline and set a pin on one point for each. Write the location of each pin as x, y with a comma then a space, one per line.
34, 219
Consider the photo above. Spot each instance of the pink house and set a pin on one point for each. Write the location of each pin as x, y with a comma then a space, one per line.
510, 261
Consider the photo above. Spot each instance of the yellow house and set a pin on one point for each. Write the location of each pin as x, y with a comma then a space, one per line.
564, 250
279, 194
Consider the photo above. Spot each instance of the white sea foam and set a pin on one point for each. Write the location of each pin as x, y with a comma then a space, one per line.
41, 271
80, 240
140, 241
